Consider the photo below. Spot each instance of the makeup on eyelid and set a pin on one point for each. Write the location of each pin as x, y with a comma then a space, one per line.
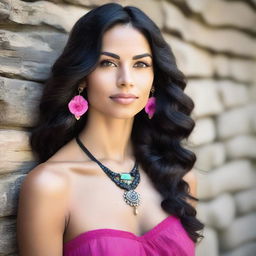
136, 57
111, 61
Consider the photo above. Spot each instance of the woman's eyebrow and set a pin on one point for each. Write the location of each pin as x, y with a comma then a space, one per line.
134, 57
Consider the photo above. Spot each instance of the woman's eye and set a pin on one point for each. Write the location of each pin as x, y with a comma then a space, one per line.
107, 63
143, 64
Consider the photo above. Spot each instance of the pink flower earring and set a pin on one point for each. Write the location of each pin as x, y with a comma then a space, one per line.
78, 105
150, 107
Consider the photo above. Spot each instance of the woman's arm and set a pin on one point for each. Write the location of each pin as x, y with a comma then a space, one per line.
41, 213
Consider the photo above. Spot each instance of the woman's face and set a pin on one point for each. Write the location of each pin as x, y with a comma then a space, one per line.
121, 69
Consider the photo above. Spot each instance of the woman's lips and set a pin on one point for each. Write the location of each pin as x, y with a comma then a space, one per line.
122, 100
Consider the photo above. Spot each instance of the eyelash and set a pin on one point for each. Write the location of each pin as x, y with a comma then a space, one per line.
108, 61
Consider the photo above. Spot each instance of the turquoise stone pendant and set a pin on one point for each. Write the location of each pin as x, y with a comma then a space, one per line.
126, 178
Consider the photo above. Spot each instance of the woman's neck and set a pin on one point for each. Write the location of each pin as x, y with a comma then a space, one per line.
108, 138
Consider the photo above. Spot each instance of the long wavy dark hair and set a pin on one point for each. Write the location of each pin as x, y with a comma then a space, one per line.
157, 142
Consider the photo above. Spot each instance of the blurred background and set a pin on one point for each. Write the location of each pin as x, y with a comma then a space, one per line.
214, 42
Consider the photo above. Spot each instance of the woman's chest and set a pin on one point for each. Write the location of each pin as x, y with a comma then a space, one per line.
97, 202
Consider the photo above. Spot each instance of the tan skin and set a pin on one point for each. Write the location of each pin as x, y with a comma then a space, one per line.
69, 194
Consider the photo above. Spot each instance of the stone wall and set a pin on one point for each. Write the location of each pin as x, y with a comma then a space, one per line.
214, 42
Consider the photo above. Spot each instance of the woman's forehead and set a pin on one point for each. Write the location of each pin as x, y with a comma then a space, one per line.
123, 38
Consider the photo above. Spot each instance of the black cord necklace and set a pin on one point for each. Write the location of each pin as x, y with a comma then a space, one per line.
128, 181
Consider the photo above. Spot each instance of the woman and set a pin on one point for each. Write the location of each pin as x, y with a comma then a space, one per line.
113, 178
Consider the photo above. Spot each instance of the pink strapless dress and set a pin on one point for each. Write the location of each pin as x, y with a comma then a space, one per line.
168, 238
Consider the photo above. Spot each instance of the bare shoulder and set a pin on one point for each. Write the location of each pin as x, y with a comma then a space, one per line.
48, 177
42, 211
191, 178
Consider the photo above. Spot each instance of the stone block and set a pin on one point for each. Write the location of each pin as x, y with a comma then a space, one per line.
243, 70
240, 69
204, 132
16, 110
12, 166
241, 231
152, 8
15, 152
252, 111
209, 245
231, 177
205, 95
252, 92
212, 214
14, 140
233, 94
221, 65
210, 156
234, 122
225, 13
42, 12
243, 146
29, 55
245, 201
9, 192
187, 55
219, 40
8, 244
247, 249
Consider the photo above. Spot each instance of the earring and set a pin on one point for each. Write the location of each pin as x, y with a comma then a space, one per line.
150, 107
78, 105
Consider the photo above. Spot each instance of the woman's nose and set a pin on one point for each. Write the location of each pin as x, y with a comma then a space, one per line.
125, 77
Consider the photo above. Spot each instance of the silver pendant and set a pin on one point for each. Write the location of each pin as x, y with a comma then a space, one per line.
132, 198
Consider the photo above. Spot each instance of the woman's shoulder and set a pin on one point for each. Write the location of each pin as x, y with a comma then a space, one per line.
46, 178
61, 173
191, 178
43, 206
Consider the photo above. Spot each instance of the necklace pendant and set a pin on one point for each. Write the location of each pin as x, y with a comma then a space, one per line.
126, 178
132, 198
135, 210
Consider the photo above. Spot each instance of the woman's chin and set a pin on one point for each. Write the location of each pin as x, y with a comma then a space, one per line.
122, 115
